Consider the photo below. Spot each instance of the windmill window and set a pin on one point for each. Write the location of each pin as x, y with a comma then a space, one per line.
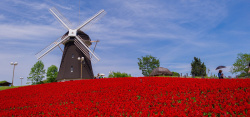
71, 69
73, 56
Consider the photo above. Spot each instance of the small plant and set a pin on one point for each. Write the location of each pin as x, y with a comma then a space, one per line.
118, 74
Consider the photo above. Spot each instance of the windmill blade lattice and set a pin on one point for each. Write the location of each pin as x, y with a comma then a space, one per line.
89, 51
50, 47
82, 48
64, 21
92, 20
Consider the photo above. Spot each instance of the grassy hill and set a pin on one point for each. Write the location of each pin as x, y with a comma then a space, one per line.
7, 87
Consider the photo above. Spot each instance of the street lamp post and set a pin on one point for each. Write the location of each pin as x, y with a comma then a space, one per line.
12, 63
21, 80
81, 59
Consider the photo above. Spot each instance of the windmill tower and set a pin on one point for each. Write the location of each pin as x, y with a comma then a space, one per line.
76, 44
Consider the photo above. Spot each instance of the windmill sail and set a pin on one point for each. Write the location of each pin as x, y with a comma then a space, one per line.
91, 20
82, 48
65, 22
89, 51
50, 47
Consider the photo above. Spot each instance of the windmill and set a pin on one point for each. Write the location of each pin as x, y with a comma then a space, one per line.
76, 44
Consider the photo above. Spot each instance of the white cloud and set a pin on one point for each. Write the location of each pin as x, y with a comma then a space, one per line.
26, 32
59, 4
33, 5
179, 67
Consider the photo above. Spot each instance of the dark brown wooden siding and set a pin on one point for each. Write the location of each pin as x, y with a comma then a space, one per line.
68, 62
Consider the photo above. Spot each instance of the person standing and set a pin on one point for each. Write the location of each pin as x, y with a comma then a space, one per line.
220, 74
98, 76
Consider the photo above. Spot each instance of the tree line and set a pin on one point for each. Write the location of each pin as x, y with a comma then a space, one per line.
37, 74
198, 68
146, 65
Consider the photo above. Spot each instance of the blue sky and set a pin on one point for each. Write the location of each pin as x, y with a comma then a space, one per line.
173, 31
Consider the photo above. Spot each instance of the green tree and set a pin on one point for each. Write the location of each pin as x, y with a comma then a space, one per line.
175, 74
52, 72
37, 73
241, 65
118, 74
198, 68
147, 64
4, 81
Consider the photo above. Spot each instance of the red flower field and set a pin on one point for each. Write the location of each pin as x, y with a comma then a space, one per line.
143, 96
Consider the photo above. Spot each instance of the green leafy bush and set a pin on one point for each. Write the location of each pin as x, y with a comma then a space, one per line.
118, 74
175, 74
3, 81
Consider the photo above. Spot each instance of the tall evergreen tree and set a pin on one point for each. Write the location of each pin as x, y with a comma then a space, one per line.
198, 68
37, 73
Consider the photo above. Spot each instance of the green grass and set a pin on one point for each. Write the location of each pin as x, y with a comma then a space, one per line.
7, 87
